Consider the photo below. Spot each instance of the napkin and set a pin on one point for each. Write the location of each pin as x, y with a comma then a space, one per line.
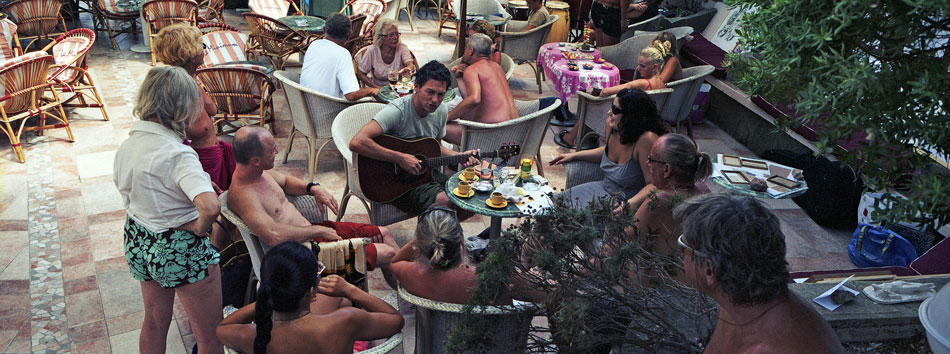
825, 298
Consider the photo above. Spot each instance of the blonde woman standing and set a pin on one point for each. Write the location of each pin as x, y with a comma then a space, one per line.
386, 54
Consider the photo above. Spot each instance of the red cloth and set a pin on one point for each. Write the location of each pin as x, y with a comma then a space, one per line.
218, 162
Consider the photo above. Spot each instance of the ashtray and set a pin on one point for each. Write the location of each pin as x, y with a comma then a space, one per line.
607, 66
600, 60
573, 68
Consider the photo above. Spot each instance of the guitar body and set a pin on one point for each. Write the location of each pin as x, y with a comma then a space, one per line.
382, 181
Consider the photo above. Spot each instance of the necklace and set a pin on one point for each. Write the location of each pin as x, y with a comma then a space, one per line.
756, 317
293, 318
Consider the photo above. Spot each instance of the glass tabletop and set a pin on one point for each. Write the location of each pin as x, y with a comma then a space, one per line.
493, 19
387, 94
309, 24
476, 203
744, 189
130, 5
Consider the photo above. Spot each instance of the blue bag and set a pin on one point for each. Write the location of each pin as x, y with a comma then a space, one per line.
876, 246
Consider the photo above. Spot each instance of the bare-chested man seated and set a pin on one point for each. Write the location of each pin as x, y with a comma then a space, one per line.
258, 196
484, 88
735, 253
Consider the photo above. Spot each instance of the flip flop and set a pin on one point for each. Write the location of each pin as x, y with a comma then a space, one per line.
559, 139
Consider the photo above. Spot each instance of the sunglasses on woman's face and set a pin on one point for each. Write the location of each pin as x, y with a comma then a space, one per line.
615, 110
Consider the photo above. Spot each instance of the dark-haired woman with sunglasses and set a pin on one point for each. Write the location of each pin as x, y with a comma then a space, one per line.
633, 125
299, 312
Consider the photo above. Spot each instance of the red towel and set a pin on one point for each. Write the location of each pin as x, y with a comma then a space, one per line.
218, 162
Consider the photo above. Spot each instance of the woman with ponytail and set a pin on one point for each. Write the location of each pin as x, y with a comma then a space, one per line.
665, 43
298, 312
434, 265
678, 170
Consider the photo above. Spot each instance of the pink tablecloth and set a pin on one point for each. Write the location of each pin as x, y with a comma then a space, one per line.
567, 82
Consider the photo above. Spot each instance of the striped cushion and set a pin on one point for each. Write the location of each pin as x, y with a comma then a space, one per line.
16, 60
110, 7
372, 9
8, 29
256, 67
274, 9
5, 51
224, 46
65, 51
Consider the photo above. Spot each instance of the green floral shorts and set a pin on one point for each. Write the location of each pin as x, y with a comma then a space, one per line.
172, 258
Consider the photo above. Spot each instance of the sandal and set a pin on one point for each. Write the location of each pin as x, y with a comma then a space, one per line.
559, 139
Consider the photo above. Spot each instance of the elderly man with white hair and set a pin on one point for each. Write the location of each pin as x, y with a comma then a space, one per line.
479, 103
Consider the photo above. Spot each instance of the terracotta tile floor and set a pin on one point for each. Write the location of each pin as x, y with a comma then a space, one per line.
64, 283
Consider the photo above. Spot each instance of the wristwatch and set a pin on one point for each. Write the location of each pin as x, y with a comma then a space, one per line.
310, 185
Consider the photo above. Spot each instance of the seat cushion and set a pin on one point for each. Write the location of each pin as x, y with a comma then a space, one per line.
274, 9
65, 51
110, 7
701, 51
224, 46
16, 60
807, 131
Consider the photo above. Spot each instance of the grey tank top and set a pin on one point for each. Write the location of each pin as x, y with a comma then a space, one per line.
626, 178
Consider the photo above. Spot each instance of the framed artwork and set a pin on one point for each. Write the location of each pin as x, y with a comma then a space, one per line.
731, 160
735, 177
756, 164
784, 182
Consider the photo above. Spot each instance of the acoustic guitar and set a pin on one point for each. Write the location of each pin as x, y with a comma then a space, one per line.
383, 181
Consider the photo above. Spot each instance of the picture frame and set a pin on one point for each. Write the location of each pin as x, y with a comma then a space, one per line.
756, 164
784, 182
732, 160
735, 177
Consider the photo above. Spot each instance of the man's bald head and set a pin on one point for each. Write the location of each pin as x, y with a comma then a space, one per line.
247, 143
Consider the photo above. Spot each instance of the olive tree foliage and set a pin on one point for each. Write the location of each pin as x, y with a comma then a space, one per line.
874, 66
597, 287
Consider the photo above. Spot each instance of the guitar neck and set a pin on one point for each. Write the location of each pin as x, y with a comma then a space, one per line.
434, 162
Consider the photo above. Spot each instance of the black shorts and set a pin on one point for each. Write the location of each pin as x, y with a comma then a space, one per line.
607, 19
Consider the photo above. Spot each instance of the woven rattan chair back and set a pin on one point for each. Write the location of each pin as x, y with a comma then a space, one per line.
210, 27
243, 94
36, 19
680, 103
273, 39
70, 73
159, 14
273, 9
24, 86
104, 11
523, 47
210, 10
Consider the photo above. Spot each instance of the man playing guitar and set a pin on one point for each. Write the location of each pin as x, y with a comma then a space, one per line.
418, 115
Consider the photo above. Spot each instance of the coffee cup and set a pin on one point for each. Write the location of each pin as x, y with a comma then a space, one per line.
469, 173
497, 198
486, 173
464, 188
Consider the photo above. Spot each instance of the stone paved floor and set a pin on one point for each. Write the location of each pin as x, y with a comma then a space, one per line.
64, 283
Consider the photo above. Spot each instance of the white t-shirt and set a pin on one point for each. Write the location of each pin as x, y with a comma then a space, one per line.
158, 177
328, 69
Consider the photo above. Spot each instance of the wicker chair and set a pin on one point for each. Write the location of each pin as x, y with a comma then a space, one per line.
355, 42
70, 73
523, 47
345, 126
592, 111
527, 131
106, 11
273, 9
624, 54
679, 32
242, 92
435, 321
313, 115
211, 10
274, 40
684, 94
373, 9
24, 82
211, 27
405, 6
36, 19
223, 45
651, 24
10, 43
447, 18
159, 14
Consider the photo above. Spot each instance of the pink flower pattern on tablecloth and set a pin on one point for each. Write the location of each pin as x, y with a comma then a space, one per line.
567, 82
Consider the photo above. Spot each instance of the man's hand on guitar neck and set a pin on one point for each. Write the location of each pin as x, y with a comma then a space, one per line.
472, 159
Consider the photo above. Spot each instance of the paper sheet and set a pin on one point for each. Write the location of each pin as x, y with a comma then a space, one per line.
825, 298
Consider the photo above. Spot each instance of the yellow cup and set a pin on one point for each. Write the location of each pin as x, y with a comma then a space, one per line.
465, 188
497, 198
469, 173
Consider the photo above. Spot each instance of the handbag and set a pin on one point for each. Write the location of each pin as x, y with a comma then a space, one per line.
878, 246
236, 271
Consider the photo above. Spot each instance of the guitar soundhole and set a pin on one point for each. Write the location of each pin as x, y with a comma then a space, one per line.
403, 176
